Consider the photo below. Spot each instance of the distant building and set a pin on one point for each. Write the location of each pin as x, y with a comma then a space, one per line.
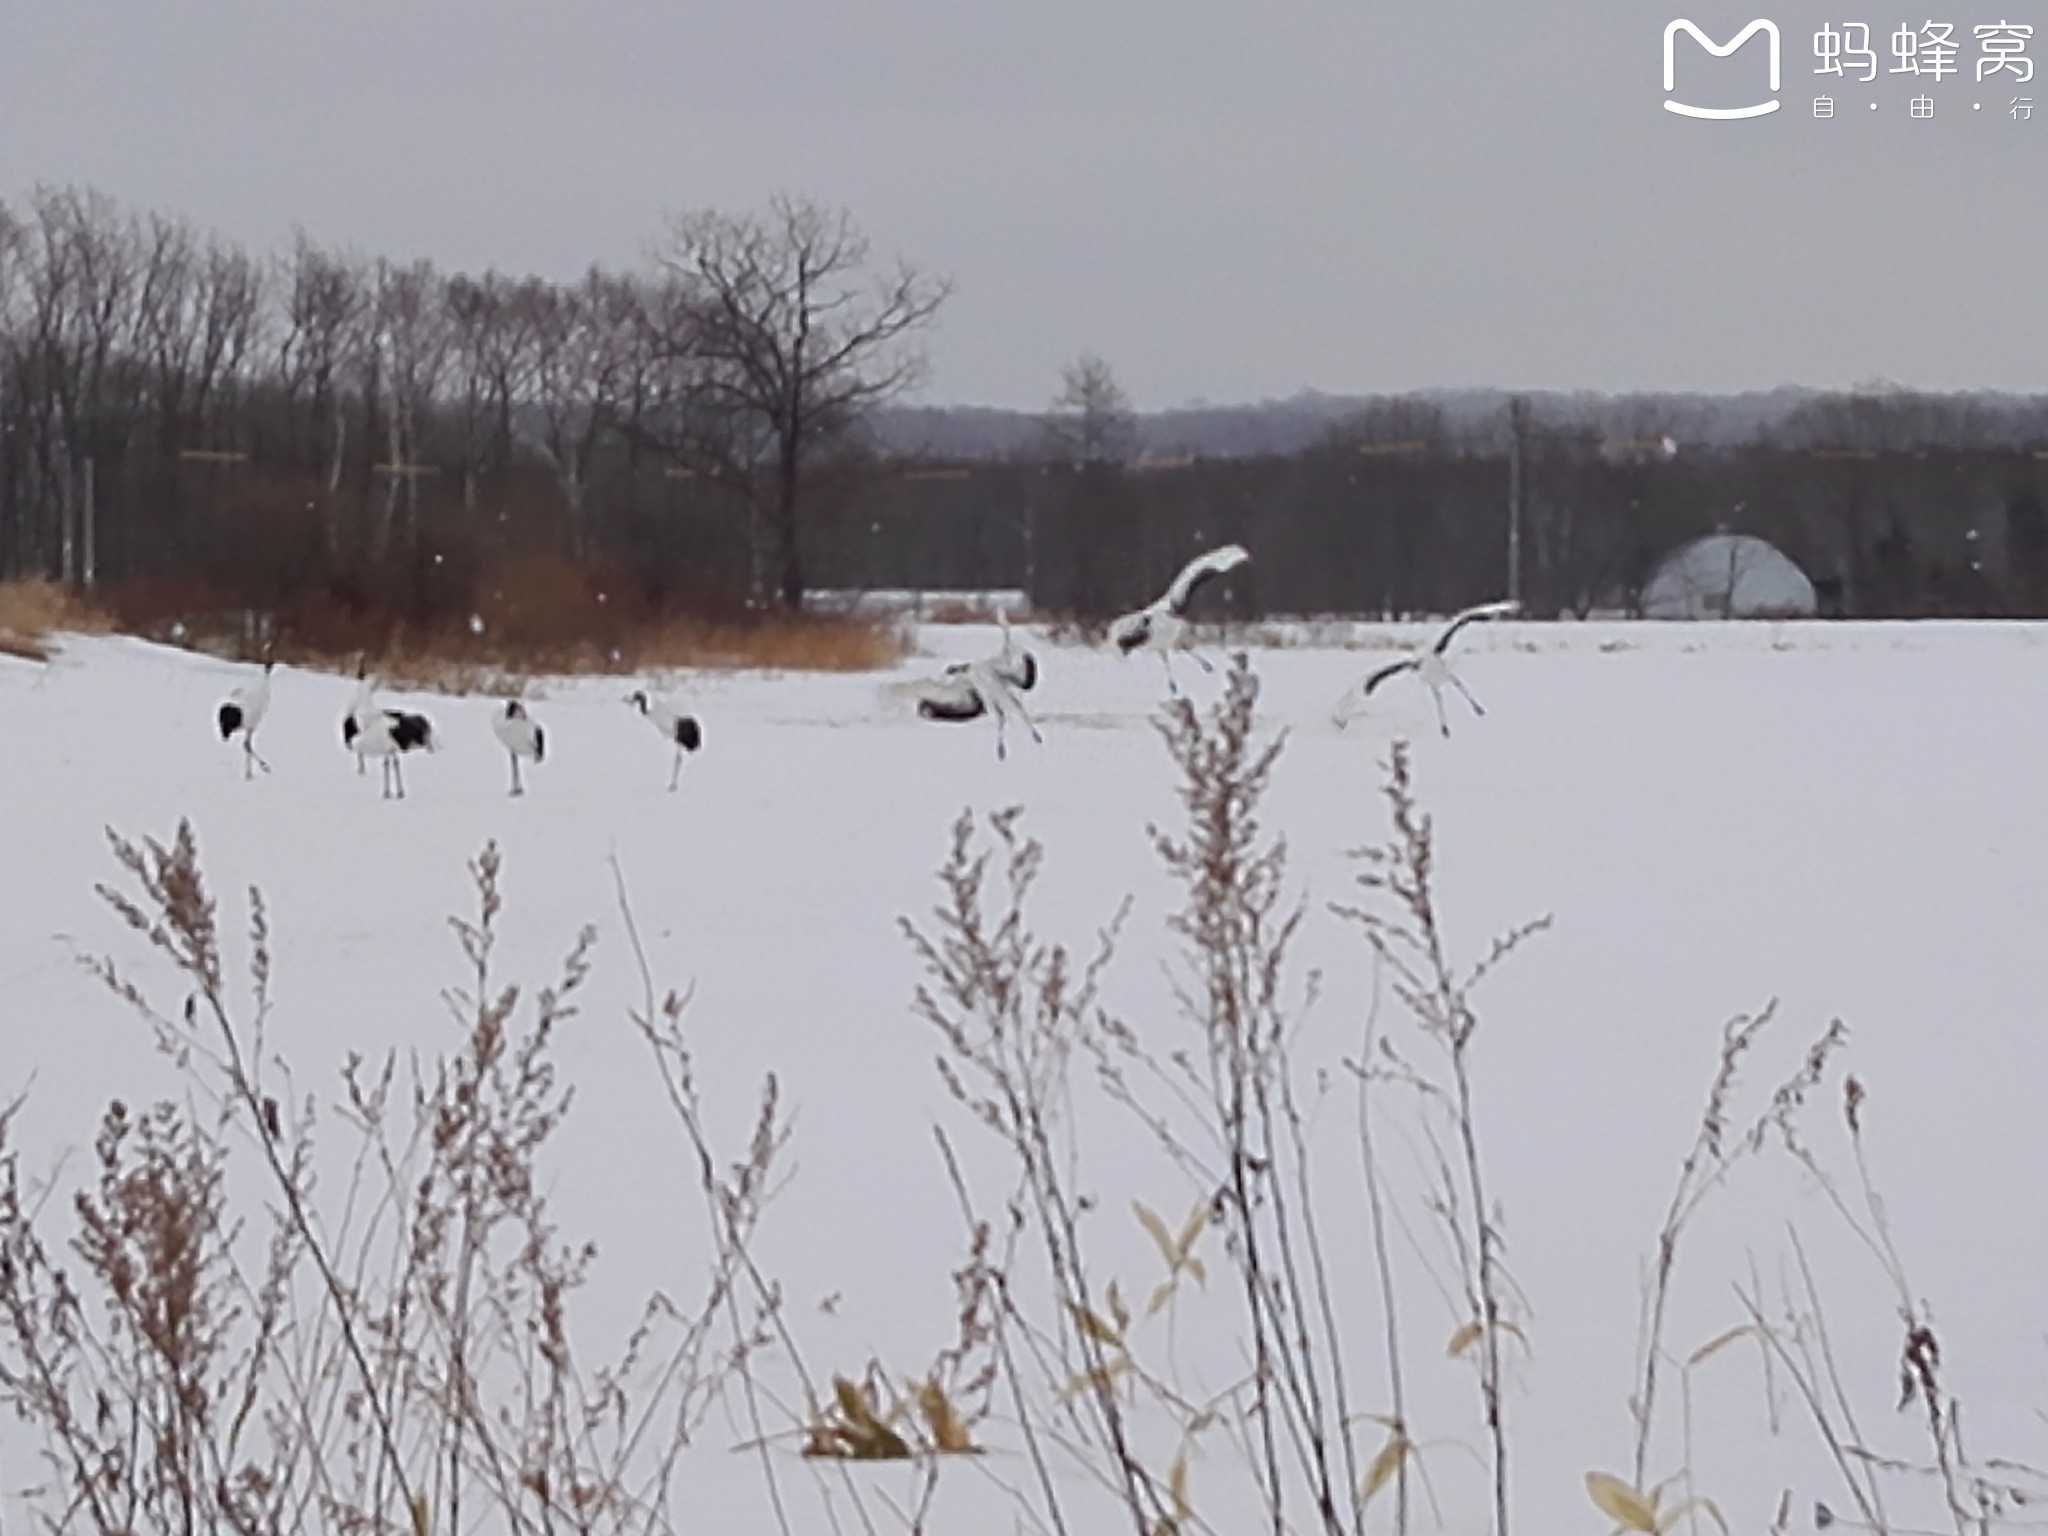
1728, 576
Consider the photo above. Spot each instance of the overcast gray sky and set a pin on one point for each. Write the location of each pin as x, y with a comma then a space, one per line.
1229, 201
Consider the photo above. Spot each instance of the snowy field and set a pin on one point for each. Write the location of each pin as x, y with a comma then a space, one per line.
1844, 818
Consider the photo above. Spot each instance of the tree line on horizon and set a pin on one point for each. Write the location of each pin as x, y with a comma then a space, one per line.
171, 404
333, 438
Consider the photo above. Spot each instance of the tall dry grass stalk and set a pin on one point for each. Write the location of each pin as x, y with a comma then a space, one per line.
389, 1351
858, 1419
1405, 932
1392, 1464
1010, 1010
1216, 1084
1978, 1495
1720, 1146
1795, 1337
1237, 926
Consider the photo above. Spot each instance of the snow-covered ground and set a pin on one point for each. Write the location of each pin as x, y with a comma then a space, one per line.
1845, 818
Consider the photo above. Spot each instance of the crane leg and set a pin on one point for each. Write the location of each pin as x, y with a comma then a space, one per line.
1477, 707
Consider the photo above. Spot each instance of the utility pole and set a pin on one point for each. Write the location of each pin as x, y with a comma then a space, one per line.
1518, 414
91, 539
67, 526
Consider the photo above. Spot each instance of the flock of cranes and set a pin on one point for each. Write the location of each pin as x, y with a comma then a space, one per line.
990, 688
388, 735
993, 687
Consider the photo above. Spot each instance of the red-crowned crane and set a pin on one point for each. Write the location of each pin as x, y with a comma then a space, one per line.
521, 737
389, 734
679, 729
242, 713
1428, 664
1162, 626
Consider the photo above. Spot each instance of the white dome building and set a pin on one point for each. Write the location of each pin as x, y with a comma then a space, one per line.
1728, 576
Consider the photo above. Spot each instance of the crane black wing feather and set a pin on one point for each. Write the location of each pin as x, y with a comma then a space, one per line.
1389, 670
966, 705
1471, 615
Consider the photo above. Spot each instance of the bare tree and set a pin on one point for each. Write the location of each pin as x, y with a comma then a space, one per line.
199, 313
1393, 426
588, 367
84, 337
1386, 452
13, 293
165, 336
786, 339
1091, 420
197, 308
327, 330
413, 351
13, 248
232, 316
1875, 418
492, 346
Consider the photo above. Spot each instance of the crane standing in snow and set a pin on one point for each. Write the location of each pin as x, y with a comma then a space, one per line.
680, 729
521, 737
1429, 665
389, 734
243, 712
362, 709
1162, 626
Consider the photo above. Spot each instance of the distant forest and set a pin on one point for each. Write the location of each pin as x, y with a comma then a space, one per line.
334, 441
